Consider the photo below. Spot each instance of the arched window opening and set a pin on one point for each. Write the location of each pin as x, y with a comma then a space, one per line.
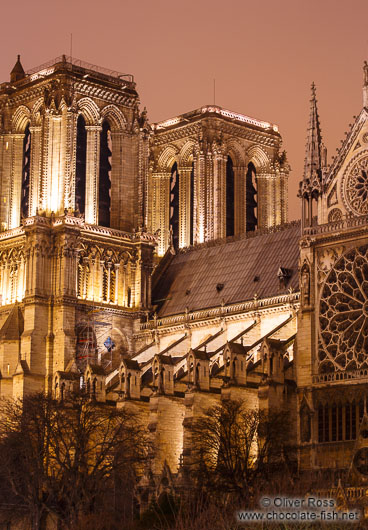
104, 187
191, 204
250, 198
230, 222
129, 297
80, 168
174, 206
24, 206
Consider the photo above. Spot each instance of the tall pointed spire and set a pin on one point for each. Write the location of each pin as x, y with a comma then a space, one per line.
314, 149
365, 84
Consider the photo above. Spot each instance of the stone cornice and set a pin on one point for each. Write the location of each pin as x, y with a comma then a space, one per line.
215, 315
243, 131
330, 232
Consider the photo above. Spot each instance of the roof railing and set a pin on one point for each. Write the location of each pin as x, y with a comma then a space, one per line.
72, 62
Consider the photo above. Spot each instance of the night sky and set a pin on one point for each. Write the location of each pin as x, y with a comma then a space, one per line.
263, 54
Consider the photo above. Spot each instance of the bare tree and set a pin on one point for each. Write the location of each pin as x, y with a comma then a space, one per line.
69, 458
236, 451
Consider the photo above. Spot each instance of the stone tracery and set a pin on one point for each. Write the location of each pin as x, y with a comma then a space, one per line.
343, 314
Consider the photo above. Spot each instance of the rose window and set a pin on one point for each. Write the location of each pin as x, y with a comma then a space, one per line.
343, 314
356, 186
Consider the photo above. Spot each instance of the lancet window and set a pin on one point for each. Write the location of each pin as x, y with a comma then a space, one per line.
104, 188
338, 422
250, 198
24, 207
80, 172
174, 206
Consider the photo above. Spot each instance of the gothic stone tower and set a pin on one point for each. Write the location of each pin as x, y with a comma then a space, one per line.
73, 164
214, 174
331, 360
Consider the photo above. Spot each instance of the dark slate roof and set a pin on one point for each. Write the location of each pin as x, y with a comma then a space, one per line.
97, 369
236, 348
69, 376
13, 326
232, 271
131, 364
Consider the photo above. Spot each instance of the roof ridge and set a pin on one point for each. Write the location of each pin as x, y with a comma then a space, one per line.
244, 236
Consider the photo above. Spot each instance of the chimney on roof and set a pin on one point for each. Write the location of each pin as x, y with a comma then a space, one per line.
17, 73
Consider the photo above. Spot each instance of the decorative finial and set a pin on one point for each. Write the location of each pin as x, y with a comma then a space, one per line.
365, 72
365, 84
313, 87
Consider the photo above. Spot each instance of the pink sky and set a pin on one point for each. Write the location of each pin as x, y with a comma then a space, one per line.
264, 56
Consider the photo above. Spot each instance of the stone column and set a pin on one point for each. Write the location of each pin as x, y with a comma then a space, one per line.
70, 127
119, 203
161, 206
209, 196
219, 196
92, 173
184, 205
35, 169
16, 146
239, 200
200, 197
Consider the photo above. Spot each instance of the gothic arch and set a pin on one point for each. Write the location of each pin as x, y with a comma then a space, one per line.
258, 157
168, 157
235, 151
35, 112
20, 119
115, 117
186, 153
90, 111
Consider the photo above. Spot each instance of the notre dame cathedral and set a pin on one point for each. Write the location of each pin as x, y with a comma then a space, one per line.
153, 264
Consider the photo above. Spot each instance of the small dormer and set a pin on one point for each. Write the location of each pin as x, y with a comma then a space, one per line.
95, 382
65, 384
272, 354
163, 374
130, 379
235, 362
198, 365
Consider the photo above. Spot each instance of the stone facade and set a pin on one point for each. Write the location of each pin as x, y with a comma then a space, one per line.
153, 264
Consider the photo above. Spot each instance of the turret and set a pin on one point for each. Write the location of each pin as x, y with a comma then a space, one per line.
17, 73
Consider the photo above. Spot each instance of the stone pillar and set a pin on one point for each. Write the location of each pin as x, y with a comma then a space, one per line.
70, 126
264, 200
160, 211
119, 202
5, 181
184, 205
239, 200
209, 196
200, 197
16, 147
92, 173
219, 166
55, 201
35, 169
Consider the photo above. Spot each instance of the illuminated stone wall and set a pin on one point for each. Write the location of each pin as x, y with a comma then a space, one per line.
201, 141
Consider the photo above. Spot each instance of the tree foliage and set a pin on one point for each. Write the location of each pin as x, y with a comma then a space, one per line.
235, 450
69, 459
